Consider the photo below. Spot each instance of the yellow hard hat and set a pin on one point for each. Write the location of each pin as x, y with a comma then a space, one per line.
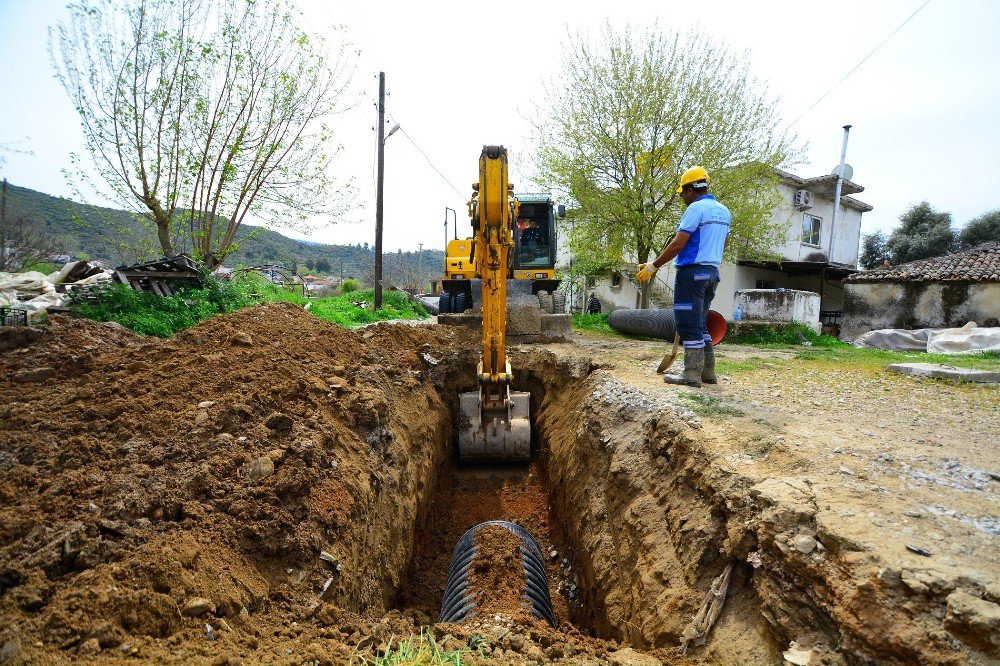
693, 175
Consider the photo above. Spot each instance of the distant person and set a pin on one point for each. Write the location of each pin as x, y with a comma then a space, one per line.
593, 305
702, 236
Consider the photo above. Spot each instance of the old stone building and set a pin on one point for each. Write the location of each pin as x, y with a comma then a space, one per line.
930, 293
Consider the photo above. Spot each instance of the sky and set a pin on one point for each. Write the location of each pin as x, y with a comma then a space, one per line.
925, 108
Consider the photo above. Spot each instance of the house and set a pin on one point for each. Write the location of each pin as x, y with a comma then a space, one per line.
939, 292
814, 257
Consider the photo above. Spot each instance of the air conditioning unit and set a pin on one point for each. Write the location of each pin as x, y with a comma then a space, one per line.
803, 199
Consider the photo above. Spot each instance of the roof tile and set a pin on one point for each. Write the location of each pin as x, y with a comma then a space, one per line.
977, 264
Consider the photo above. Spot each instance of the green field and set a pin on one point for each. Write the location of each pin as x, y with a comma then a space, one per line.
149, 314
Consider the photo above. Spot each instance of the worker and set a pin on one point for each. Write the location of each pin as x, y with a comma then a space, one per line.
701, 240
531, 234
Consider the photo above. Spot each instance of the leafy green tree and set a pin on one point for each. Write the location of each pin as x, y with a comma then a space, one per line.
874, 250
923, 233
982, 229
199, 114
629, 113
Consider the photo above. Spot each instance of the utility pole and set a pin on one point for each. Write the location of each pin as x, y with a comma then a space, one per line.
378, 191
420, 271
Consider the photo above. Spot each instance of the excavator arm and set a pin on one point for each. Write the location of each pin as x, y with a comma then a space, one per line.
495, 421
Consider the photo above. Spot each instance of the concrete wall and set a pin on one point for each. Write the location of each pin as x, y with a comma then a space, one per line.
770, 305
910, 305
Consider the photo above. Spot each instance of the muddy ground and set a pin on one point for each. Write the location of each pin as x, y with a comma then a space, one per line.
269, 488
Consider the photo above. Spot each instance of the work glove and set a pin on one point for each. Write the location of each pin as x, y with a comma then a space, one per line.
646, 272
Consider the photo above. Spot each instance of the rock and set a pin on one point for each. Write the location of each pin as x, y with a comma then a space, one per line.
243, 339
33, 604
280, 422
796, 655
198, 606
847, 471
328, 590
34, 374
259, 469
804, 543
10, 649
205, 404
974, 620
88, 648
786, 501
201, 418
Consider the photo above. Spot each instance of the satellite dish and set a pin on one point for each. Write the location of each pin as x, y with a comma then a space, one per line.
848, 171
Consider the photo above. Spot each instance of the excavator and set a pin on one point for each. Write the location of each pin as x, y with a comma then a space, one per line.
495, 421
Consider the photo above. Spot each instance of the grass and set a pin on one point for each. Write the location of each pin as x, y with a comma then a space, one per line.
879, 358
595, 323
422, 650
148, 314
786, 335
709, 405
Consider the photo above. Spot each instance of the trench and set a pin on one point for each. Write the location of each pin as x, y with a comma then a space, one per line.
631, 539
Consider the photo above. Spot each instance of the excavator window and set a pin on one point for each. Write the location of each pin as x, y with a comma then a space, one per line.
534, 236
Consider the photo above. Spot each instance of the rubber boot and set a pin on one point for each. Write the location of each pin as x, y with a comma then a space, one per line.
708, 375
694, 365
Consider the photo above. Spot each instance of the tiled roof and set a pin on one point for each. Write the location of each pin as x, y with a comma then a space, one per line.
977, 264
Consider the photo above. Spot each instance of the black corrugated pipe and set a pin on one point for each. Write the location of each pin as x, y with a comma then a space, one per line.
459, 602
648, 323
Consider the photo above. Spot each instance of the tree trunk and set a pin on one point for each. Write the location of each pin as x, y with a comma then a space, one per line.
644, 294
163, 234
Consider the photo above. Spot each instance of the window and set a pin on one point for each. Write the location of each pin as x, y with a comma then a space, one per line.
765, 284
616, 279
811, 226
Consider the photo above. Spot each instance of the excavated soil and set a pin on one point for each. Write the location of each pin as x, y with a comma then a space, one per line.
493, 579
269, 488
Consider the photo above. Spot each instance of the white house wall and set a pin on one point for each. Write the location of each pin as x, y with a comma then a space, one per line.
846, 239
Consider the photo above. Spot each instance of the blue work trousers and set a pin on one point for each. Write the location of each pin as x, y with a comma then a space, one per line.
694, 289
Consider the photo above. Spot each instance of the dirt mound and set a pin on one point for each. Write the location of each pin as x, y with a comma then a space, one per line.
150, 487
497, 575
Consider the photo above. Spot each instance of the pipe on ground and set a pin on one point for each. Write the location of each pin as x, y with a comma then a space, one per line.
661, 324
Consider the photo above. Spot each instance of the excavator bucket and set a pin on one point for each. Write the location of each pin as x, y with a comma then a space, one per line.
501, 436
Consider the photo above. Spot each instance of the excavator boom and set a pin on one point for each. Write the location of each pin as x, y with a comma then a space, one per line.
495, 421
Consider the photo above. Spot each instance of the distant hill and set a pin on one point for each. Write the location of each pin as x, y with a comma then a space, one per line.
120, 237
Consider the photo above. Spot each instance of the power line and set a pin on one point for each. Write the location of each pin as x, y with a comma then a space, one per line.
431, 164
861, 62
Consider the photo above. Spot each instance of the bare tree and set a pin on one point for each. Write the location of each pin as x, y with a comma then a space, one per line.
200, 114
23, 240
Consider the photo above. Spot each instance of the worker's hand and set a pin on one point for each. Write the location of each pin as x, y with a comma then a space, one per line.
646, 272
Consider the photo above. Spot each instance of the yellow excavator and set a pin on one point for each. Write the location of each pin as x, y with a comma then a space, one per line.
494, 421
